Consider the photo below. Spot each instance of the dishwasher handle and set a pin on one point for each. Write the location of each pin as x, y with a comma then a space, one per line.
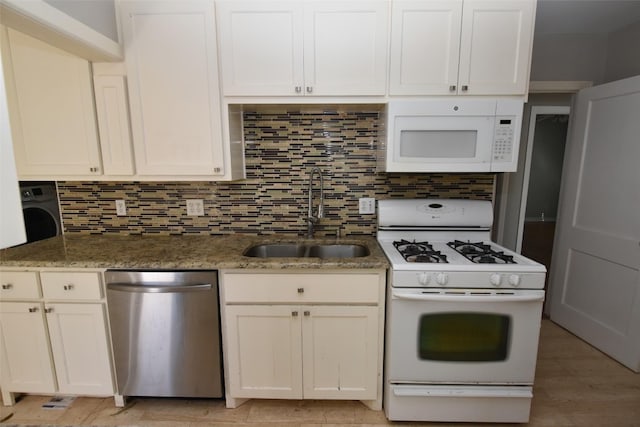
158, 289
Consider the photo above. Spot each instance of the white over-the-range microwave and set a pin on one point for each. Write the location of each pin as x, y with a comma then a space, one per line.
451, 135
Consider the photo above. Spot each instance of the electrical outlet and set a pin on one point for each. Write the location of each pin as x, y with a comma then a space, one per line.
195, 207
367, 205
121, 208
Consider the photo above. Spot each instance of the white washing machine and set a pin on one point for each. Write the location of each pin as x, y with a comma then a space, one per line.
41, 210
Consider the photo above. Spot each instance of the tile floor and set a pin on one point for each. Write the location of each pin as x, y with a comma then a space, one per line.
576, 385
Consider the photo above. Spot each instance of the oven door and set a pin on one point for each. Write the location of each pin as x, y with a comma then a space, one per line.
463, 336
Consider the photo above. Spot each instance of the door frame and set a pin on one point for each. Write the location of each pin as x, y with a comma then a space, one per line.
536, 110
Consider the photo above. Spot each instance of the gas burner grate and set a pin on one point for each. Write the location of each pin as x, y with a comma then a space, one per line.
481, 253
419, 252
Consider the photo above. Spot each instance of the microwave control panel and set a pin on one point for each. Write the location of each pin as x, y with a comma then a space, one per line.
503, 139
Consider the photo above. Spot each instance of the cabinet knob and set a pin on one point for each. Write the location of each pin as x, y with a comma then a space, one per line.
94, 169
301, 290
7, 286
452, 88
465, 88
309, 89
217, 170
294, 313
33, 309
298, 89
68, 287
307, 313
48, 310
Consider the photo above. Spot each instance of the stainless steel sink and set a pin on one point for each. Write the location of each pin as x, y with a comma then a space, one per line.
337, 251
276, 250
293, 250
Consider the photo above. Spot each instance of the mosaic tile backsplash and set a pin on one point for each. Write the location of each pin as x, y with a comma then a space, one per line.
281, 148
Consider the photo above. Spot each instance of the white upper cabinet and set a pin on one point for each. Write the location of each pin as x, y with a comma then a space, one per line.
289, 48
425, 46
172, 70
112, 112
260, 47
51, 109
495, 46
470, 47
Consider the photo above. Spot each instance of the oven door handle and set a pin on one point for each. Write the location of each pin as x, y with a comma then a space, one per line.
468, 298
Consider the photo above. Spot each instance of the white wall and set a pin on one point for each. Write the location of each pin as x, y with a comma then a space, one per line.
570, 57
623, 53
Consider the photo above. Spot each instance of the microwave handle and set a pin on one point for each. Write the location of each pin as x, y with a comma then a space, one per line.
468, 298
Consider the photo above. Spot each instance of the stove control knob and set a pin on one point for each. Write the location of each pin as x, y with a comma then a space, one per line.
424, 278
514, 280
442, 279
495, 279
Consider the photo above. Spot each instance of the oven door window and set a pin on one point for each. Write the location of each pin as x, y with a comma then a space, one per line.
464, 337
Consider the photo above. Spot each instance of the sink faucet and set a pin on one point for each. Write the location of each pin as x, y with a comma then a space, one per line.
311, 218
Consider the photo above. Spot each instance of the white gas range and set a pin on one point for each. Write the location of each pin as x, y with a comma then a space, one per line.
463, 315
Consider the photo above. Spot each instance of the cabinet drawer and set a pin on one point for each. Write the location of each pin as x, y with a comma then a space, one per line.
19, 285
71, 285
301, 288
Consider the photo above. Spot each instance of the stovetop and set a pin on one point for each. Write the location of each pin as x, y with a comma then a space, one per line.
472, 254
447, 243
476, 252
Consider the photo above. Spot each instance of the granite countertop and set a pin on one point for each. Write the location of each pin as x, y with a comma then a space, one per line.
177, 252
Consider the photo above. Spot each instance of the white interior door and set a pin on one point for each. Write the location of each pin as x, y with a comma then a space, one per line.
595, 280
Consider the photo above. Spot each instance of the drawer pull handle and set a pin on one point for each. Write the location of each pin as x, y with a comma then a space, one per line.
452, 88
48, 310
294, 313
465, 88
7, 286
307, 313
301, 290
33, 309
68, 287
309, 89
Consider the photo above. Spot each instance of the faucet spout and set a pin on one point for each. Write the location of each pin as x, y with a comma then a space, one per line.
319, 212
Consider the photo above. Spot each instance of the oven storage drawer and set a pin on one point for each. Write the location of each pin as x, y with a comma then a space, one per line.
458, 403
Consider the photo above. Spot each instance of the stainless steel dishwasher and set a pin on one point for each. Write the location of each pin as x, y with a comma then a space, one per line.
165, 327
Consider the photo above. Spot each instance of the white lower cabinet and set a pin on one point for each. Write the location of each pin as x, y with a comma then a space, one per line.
57, 343
288, 336
80, 349
25, 361
264, 351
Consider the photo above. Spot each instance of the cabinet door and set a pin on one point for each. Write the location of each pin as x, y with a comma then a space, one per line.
495, 47
171, 61
340, 348
260, 47
51, 110
425, 43
112, 111
263, 348
25, 361
345, 47
80, 348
